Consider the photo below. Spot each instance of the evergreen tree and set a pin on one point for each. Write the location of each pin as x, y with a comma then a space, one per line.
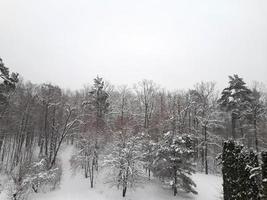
8, 83
94, 133
236, 99
248, 182
173, 162
229, 169
98, 105
239, 183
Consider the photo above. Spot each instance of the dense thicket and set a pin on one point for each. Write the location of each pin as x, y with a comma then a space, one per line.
239, 170
264, 175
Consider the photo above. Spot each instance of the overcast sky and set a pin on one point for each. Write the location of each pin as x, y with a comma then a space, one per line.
176, 43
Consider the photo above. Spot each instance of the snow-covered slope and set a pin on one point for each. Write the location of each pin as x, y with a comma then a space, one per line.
78, 188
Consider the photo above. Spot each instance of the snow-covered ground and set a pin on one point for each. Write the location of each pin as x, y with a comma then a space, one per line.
78, 188
3, 181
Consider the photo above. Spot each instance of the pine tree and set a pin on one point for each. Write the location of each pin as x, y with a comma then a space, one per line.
95, 108
8, 83
173, 161
236, 99
98, 106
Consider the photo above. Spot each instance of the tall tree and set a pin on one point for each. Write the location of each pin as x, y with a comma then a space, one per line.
95, 130
207, 116
99, 106
146, 91
256, 114
236, 99
8, 84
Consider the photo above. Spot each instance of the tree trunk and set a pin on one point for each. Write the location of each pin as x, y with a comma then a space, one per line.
146, 116
256, 135
1, 142
233, 126
174, 190
52, 140
34, 189
63, 135
86, 169
92, 176
3, 152
175, 182
202, 154
45, 130
206, 150
124, 191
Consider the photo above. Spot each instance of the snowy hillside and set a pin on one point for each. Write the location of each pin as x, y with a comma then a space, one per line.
76, 187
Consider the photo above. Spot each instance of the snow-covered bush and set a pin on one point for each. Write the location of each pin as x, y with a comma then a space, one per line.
39, 175
125, 164
30, 177
174, 162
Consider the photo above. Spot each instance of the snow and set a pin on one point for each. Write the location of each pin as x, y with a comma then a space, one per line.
3, 181
3, 195
76, 187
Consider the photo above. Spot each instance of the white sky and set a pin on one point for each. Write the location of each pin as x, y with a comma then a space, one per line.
176, 43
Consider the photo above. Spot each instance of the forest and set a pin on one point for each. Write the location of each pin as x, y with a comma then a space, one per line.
134, 133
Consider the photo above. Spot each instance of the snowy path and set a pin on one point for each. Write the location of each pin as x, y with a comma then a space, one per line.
77, 188
72, 187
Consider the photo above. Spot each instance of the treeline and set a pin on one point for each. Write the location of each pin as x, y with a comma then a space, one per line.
35, 120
